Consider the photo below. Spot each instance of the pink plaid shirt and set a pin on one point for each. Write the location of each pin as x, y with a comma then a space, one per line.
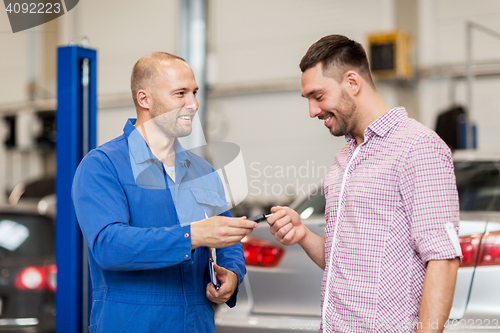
391, 206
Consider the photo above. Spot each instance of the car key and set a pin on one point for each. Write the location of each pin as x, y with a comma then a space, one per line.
260, 218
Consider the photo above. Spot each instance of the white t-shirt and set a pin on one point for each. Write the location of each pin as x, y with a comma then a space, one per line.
170, 171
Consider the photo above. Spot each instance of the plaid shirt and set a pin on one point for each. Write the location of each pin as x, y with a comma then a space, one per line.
391, 206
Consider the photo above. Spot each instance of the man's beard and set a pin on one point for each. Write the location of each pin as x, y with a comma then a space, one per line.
166, 121
345, 113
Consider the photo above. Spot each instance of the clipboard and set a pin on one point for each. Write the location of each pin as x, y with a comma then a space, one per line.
212, 259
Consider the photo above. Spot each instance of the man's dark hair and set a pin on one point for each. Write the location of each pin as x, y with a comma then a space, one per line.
145, 72
337, 54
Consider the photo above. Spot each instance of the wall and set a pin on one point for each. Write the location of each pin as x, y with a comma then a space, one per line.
13, 64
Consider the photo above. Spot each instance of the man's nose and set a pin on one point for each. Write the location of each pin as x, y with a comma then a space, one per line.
192, 102
314, 110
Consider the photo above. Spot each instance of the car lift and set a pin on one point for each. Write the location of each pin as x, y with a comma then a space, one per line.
76, 135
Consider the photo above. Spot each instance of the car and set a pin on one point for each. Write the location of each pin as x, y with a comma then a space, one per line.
27, 267
281, 291
32, 190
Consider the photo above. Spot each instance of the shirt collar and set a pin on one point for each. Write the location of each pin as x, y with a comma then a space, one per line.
383, 124
140, 151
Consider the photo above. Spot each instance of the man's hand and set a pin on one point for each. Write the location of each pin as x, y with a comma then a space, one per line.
288, 229
220, 231
286, 225
228, 284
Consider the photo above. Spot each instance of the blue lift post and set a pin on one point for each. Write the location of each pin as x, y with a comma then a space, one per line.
76, 135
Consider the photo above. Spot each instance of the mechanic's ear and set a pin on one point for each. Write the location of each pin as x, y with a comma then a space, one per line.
144, 99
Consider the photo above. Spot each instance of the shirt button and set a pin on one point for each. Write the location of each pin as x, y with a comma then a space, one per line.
186, 256
186, 235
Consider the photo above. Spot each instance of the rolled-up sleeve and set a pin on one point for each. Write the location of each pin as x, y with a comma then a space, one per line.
430, 198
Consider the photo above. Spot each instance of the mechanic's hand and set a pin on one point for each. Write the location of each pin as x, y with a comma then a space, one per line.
228, 284
286, 225
220, 231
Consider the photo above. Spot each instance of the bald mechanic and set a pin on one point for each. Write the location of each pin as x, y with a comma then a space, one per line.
390, 253
149, 210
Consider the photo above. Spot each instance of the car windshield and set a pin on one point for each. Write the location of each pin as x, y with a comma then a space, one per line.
24, 235
478, 185
314, 204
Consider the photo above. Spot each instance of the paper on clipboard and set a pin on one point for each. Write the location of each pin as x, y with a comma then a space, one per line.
212, 259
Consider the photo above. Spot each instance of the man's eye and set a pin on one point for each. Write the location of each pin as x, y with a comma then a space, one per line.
319, 98
195, 92
180, 94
